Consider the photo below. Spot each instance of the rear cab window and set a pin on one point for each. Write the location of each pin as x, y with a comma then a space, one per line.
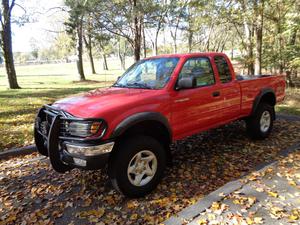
223, 69
199, 68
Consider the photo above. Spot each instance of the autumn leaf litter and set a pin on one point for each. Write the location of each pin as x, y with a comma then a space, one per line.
32, 193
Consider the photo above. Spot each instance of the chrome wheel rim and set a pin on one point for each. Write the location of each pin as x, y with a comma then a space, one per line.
142, 168
265, 121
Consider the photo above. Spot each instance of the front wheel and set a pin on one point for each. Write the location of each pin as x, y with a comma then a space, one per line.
137, 165
260, 125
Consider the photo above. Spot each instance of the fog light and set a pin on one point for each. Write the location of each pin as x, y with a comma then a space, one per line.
79, 162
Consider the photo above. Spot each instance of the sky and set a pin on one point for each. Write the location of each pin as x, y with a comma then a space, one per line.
37, 33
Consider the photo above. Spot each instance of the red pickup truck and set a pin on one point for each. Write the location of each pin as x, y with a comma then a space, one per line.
130, 125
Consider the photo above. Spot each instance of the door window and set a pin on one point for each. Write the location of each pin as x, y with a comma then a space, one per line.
199, 68
223, 69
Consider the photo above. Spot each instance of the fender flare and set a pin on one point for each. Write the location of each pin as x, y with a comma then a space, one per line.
259, 96
140, 117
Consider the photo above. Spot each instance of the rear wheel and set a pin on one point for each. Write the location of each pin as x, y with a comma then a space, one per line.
137, 165
259, 126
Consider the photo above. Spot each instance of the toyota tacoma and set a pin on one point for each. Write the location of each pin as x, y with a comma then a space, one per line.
158, 100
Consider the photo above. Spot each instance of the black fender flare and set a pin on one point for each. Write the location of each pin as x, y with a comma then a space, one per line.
259, 97
140, 117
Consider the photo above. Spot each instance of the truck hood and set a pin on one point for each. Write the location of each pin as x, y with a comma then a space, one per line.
96, 102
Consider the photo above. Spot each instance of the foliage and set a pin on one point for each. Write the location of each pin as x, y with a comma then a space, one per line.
63, 46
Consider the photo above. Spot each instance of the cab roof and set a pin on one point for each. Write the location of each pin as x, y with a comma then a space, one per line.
187, 55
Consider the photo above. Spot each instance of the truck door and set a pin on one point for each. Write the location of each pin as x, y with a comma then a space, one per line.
198, 108
229, 89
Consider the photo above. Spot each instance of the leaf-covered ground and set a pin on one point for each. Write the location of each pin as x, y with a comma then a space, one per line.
269, 196
32, 193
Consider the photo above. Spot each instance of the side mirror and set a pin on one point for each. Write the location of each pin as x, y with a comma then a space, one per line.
186, 83
118, 78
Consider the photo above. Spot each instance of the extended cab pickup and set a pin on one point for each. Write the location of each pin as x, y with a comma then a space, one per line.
130, 125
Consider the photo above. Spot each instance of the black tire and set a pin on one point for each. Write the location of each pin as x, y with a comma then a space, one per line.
123, 155
254, 128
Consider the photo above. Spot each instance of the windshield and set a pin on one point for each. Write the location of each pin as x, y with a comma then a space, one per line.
148, 74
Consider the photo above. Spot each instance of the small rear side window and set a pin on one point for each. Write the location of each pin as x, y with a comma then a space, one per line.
223, 69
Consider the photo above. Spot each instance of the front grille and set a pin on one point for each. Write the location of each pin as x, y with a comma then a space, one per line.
46, 118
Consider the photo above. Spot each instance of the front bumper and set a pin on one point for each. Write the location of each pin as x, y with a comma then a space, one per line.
64, 152
84, 156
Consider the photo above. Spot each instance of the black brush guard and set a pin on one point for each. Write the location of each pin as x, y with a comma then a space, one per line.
47, 142
50, 135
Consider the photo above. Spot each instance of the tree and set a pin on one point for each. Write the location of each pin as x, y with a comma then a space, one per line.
6, 42
259, 14
88, 42
102, 40
75, 28
35, 48
124, 19
63, 46
156, 21
176, 13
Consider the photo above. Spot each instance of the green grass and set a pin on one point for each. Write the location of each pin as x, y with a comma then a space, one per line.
291, 104
42, 84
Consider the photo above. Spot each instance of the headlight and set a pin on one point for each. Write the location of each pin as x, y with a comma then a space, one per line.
84, 128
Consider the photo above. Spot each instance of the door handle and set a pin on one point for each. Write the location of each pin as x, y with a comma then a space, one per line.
182, 100
216, 94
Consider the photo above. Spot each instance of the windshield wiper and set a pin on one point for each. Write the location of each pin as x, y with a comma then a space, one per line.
118, 85
139, 85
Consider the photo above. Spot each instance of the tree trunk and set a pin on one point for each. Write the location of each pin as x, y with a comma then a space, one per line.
121, 57
175, 45
155, 50
88, 44
259, 34
279, 31
156, 38
190, 40
91, 55
251, 55
6, 44
137, 24
144, 42
79, 51
248, 41
137, 42
208, 38
105, 67
174, 36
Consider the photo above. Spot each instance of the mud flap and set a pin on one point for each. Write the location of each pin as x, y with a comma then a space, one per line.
53, 147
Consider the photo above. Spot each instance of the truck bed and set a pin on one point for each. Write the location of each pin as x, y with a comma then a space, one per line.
252, 86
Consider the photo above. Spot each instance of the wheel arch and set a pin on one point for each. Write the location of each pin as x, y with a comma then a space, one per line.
266, 95
149, 123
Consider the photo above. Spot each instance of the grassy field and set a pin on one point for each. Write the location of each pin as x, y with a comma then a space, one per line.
43, 84
291, 104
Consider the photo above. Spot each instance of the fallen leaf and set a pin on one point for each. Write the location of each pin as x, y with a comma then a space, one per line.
258, 220
273, 194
